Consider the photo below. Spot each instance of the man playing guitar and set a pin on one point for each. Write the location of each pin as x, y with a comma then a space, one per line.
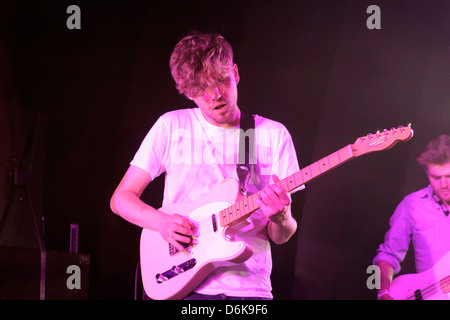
197, 148
423, 218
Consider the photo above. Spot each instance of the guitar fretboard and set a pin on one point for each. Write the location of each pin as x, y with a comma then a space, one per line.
445, 285
244, 208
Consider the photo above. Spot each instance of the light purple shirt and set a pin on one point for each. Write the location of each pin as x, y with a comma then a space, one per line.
421, 219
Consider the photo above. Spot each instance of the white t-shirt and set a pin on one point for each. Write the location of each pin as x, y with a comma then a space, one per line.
196, 155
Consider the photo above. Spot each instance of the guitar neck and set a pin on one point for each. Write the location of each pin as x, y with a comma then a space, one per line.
244, 208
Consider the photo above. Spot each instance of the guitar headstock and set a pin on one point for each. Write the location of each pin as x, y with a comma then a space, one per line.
381, 140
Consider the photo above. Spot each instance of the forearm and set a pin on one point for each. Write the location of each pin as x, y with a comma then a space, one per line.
130, 207
282, 229
386, 276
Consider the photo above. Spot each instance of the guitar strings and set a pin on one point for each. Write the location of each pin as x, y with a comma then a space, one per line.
248, 204
428, 291
431, 289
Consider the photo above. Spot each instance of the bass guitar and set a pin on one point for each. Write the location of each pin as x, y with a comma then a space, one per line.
171, 274
433, 284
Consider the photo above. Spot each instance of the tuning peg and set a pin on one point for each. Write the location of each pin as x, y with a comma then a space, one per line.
401, 128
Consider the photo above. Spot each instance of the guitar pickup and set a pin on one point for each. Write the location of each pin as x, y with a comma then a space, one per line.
214, 222
174, 271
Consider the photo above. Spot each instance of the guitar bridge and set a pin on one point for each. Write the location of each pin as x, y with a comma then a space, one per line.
173, 250
175, 270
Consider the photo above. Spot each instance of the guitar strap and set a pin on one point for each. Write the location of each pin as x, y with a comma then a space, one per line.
246, 149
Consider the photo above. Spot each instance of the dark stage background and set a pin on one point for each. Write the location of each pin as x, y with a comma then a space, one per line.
312, 65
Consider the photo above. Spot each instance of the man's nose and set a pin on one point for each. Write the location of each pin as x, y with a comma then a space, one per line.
212, 95
444, 182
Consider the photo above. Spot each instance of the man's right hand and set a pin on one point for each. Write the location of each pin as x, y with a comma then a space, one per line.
177, 229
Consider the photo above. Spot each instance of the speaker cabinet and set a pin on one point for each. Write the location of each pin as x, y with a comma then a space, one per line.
67, 274
20, 273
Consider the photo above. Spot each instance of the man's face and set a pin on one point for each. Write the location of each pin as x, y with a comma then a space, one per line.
439, 177
219, 104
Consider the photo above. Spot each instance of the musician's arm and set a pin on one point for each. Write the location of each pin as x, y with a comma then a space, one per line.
281, 230
386, 276
126, 203
275, 203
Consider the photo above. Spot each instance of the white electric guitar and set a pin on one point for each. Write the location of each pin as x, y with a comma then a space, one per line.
433, 284
171, 274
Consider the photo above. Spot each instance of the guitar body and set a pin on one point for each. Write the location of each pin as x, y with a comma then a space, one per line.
169, 274
213, 247
433, 284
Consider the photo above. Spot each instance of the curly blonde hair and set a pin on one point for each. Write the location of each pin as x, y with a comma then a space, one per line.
200, 61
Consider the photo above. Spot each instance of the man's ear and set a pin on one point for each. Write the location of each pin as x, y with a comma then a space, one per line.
236, 73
